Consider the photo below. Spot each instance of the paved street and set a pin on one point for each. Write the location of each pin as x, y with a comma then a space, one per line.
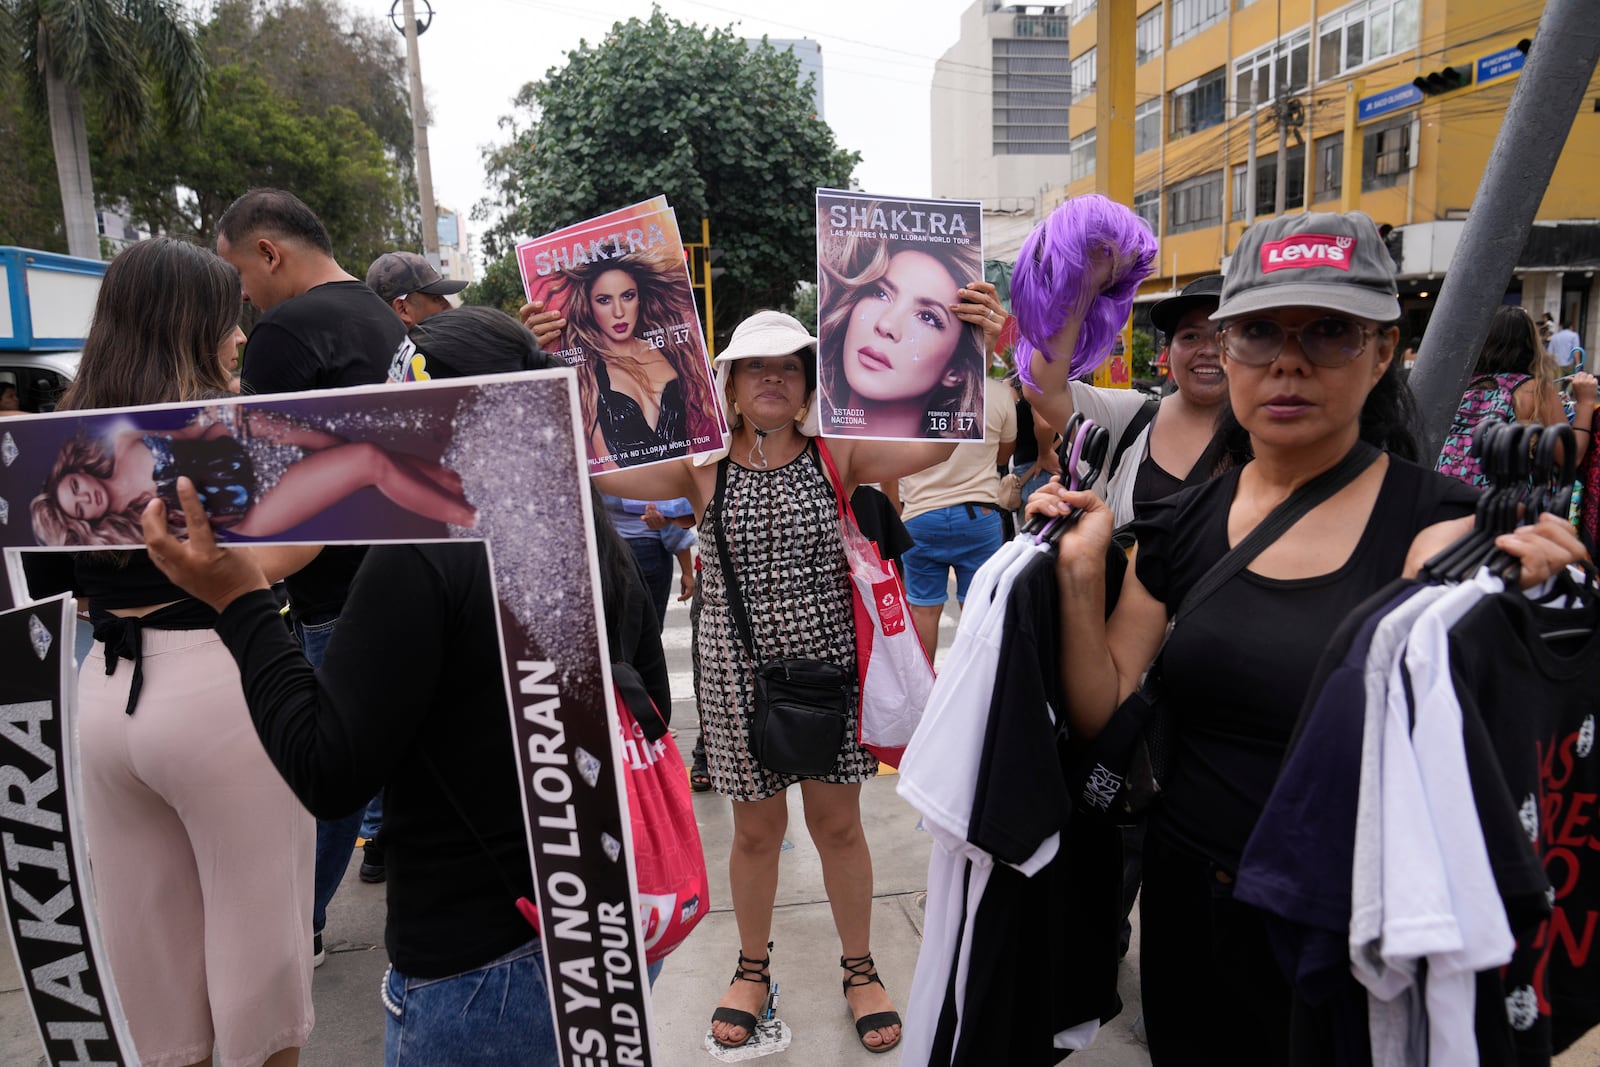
349, 1027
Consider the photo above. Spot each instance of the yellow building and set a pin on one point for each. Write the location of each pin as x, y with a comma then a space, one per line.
1209, 69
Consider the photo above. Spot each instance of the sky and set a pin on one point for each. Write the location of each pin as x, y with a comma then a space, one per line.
877, 58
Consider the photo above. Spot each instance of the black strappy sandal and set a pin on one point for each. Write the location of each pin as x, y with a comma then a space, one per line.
699, 773
864, 972
755, 972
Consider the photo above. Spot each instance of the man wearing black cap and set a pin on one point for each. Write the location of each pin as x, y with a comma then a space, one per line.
411, 286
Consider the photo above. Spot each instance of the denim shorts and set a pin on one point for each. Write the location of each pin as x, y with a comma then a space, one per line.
495, 1014
949, 538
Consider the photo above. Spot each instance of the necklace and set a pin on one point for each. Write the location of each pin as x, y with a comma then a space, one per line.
758, 454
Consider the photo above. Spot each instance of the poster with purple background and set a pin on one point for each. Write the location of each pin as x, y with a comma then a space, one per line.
496, 459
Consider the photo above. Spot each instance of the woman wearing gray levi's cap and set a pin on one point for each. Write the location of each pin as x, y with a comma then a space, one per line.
1309, 354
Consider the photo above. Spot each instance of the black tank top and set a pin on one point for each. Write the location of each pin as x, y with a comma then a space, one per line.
624, 427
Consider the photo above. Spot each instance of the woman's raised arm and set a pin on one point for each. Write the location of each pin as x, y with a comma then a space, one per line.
659, 481
869, 462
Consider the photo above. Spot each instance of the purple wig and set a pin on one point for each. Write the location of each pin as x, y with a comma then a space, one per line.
1052, 281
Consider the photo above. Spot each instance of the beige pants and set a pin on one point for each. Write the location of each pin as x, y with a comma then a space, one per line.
201, 858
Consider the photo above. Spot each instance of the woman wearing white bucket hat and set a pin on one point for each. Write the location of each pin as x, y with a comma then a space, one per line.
777, 510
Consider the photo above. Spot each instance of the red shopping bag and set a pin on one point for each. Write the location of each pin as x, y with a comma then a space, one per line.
896, 677
669, 866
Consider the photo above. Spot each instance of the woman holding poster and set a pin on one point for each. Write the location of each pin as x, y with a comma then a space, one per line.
776, 509
901, 354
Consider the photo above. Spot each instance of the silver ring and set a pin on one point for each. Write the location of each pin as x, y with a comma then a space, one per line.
991, 316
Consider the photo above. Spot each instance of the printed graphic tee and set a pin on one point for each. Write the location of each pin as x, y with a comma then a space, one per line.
1531, 675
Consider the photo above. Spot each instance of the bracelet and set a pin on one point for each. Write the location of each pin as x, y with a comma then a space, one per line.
1582, 429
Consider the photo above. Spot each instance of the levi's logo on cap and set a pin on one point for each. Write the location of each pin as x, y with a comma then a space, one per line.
1307, 250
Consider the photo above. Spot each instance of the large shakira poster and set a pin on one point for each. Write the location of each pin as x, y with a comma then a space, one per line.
894, 362
632, 332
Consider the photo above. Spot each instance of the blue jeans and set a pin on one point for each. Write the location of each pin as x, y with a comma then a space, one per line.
336, 838
1033, 479
949, 539
495, 1014
656, 563
372, 818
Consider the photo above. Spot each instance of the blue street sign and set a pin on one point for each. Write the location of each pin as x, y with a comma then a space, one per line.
1390, 100
1499, 64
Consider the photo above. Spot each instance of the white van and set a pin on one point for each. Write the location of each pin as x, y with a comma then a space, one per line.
46, 303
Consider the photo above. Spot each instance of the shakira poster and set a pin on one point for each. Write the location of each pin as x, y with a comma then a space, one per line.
497, 460
632, 332
894, 362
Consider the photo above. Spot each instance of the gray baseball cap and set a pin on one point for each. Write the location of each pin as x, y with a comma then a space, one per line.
1321, 260
396, 274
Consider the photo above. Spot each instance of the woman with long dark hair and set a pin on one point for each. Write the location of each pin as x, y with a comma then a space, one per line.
201, 856
466, 983
1512, 382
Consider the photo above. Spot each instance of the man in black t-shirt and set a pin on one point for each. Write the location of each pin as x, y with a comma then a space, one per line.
322, 328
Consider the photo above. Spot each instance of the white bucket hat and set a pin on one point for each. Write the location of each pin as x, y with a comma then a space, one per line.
766, 333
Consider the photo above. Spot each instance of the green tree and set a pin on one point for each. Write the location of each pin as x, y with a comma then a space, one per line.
1144, 355
303, 99
30, 199
726, 131
499, 287
129, 55
321, 56
803, 306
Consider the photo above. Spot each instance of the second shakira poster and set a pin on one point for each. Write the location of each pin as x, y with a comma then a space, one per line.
894, 363
632, 333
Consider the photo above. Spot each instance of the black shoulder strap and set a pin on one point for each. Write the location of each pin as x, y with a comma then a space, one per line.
741, 620
1277, 523
1130, 433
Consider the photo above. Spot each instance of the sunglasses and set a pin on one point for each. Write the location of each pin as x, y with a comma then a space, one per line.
1329, 342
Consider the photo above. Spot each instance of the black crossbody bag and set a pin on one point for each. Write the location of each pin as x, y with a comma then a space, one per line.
1121, 772
797, 724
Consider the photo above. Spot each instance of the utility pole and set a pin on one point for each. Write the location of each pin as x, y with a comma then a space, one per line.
1281, 195
1115, 24
1535, 128
1350, 165
1250, 158
419, 130
1113, 103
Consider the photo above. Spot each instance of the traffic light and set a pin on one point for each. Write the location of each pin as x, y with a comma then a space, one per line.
1443, 81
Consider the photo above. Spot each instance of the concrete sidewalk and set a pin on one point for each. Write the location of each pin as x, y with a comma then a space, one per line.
350, 1019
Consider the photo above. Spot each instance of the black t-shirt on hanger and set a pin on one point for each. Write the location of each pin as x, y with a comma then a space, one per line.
1044, 949
1537, 696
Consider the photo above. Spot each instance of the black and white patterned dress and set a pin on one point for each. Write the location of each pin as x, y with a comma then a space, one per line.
782, 527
